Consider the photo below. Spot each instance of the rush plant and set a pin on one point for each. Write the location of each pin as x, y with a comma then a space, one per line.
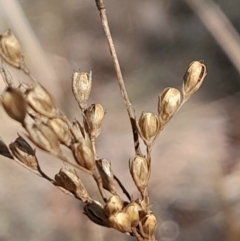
49, 129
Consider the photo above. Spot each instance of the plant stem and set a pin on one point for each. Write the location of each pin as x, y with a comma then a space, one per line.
131, 114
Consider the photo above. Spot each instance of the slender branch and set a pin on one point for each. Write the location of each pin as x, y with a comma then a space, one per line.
131, 114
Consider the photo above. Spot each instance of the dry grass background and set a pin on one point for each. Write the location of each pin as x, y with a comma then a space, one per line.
155, 40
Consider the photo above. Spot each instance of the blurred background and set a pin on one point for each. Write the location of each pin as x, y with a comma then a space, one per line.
195, 180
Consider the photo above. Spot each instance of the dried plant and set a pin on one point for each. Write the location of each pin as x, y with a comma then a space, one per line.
48, 128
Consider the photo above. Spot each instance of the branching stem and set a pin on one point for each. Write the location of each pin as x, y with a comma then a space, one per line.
131, 114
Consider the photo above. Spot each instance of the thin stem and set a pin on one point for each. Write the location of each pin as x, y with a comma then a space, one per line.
131, 114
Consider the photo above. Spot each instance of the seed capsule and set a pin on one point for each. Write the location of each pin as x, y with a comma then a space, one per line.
104, 168
133, 209
95, 213
121, 222
24, 153
193, 77
81, 87
113, 205
10, 49
84, 155
148, 124
149, 225
169, 101
140, 172
94, 116
44, 137
61, 130
41, 101
14, 104
69, 180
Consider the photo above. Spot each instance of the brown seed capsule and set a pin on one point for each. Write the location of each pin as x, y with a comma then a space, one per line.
81, 87
121, 222
133, 209
148, 124
44, 137
14, 104
10, 49
149, 225
113, 205
94, 211
61, 130
24, 153
140, 172
104, 168
41, 101
193, 77
69, 180
169, 101
94, 116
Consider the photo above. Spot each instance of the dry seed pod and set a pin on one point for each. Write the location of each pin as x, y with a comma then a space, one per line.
94, 116
140, 172
133, 209
24, 153
84, 155
4, 149
41, 101
104, 168
148, 124
193, 77
44, 138
69, 180
81, 87
113, 205
10, 49
94, 211
169, 101
149, 225
61, 130
14, 104
121, 222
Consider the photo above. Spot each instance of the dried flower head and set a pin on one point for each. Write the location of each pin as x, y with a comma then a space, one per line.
133, 209
94, 117
148, 125
149, 225
83, 153
193, 78
44, 137
113, 205
81, 87
14, 104
169, 101
139, 168
104, 168
61, 130
10, 49
95, 213
121, 222
41, 101
69, 180
24, 153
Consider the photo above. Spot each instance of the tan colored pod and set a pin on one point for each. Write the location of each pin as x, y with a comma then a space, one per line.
41, 101
10, 49
81, 87
169, 101
94, 116
148, 124
193, 77
14, 104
